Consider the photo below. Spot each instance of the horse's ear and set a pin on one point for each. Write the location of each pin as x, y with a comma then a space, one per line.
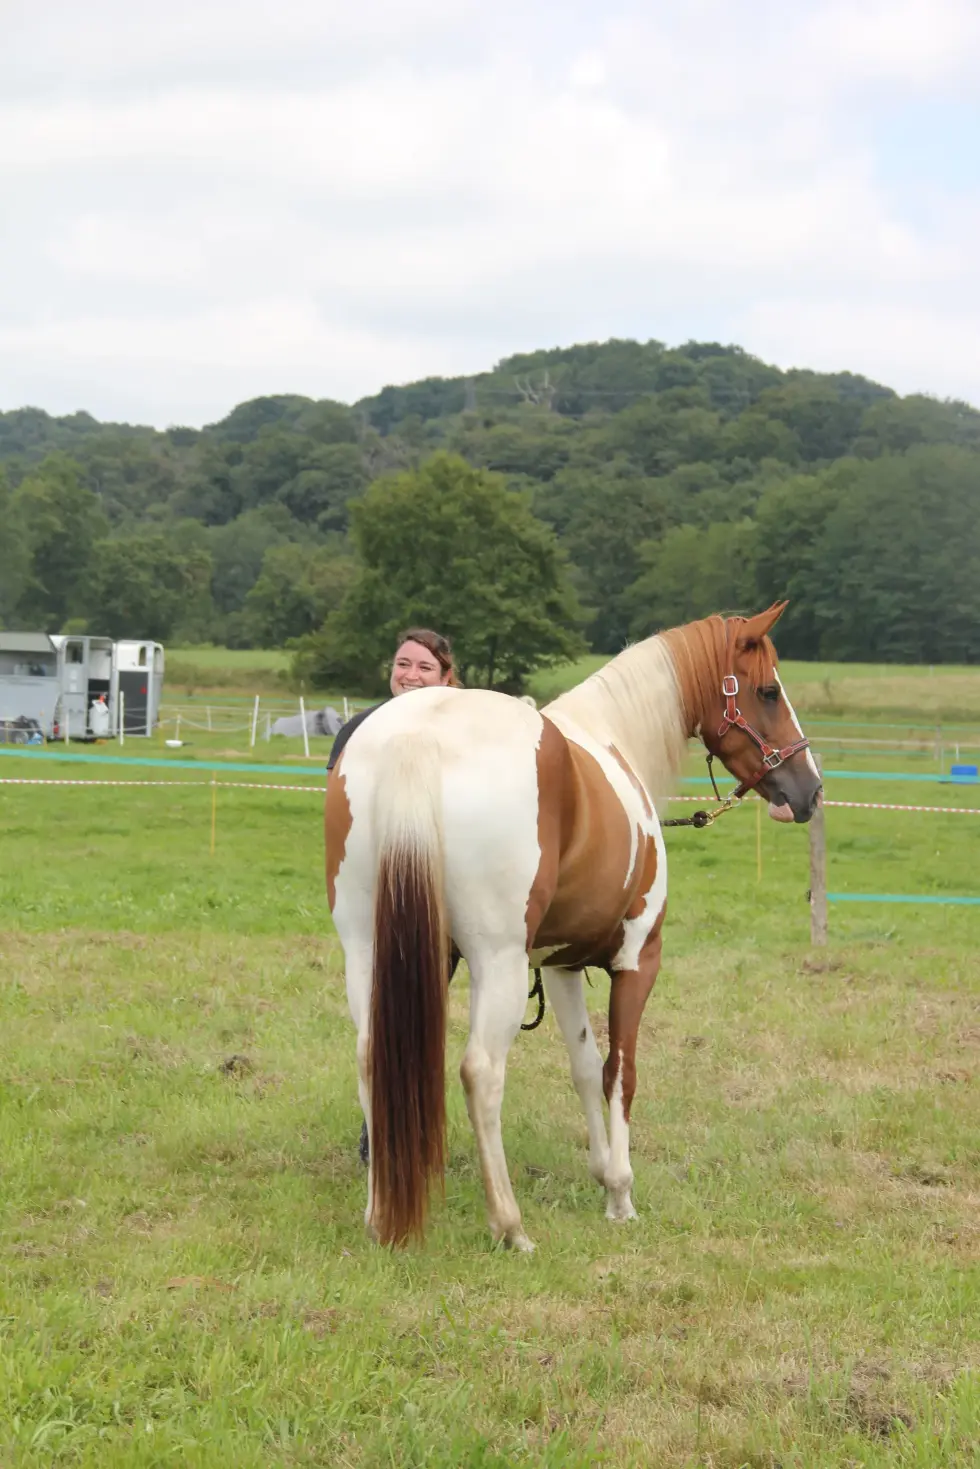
756, 628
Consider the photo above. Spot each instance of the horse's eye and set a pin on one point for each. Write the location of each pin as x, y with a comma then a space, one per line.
770, 693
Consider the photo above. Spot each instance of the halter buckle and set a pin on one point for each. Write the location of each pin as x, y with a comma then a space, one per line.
729, 686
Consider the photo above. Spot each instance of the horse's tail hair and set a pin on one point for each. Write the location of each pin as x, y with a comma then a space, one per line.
408, 991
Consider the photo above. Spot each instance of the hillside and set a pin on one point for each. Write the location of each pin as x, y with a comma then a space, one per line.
677, 481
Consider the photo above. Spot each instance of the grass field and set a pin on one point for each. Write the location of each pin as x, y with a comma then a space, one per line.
866, 691
869, 692
184, 1277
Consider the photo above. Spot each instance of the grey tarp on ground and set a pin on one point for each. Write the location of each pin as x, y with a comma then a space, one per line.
318, 722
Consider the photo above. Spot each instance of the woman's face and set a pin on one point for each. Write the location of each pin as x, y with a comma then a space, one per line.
416, 668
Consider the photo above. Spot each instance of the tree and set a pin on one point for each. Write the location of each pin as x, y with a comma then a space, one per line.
13, 555
141, 587
237, 550
453, 548
692, 573
603, 518
60, 521
298, 587
332, 476
824, 418
787, 558
898, 560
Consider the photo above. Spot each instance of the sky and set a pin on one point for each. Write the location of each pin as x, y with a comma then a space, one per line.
210, 200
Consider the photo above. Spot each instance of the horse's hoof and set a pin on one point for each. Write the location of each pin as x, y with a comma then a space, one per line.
519, 1242
364, 1147
621, 1213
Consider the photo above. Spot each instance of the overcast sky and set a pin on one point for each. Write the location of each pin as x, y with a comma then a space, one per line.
206, 200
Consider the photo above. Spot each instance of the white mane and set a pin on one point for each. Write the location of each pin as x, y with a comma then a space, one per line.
635, 703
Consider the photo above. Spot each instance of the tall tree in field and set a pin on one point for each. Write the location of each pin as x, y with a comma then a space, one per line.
13, 555
898, 560
450, 547
60, 520
140, 587
298, 587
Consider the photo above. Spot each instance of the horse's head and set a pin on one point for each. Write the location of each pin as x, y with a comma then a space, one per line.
751, 727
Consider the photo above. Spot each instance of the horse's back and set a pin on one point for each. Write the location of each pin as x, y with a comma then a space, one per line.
487, 746
544, 831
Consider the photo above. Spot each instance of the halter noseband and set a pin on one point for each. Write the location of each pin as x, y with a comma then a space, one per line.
772, 758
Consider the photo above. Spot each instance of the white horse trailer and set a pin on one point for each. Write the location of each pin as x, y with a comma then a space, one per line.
76, 687
138, 677
85, 678
29, 683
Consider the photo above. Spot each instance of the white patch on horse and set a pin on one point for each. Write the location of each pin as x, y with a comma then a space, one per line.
619, 1173
799, 729
637, 930
539, 957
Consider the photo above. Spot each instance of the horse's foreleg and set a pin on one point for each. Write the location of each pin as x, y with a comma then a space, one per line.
566, 992
498, 997
628, 995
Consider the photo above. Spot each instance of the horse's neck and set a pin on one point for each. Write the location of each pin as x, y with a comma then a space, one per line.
635, 703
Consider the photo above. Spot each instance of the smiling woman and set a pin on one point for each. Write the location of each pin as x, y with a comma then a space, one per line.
423, 659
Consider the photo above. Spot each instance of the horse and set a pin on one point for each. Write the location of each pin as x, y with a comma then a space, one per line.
522, 836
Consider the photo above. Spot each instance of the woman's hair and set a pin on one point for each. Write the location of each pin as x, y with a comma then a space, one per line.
438, 646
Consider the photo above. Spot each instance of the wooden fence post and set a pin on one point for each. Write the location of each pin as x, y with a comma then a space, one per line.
818, 872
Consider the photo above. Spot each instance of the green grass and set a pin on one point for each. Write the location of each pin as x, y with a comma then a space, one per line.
869, 692
206, 655
909, 694
184, 1276
209, 670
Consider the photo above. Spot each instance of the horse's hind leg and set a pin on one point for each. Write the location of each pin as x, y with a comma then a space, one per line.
628, 994
498, 998
566, 991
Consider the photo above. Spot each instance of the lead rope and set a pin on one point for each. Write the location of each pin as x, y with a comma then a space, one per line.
701, 819
536, 992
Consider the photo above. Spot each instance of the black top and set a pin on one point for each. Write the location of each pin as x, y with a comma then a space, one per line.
346, 730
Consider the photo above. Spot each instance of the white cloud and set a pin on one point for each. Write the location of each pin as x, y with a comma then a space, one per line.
917, 42
356, 195
910, 347
117, 248
119, 38
588, 70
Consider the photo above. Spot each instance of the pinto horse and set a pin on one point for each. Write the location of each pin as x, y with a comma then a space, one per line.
464, 817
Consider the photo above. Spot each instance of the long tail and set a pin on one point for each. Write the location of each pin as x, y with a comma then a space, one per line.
408, 991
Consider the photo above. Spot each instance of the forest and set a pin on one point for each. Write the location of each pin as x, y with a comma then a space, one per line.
566, 500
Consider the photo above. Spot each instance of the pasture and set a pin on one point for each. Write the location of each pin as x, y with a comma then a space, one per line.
909, 694
185, 1277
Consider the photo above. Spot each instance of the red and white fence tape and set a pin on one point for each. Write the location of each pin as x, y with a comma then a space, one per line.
248, 785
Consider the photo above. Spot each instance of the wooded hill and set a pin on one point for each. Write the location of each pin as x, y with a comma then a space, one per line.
677, 481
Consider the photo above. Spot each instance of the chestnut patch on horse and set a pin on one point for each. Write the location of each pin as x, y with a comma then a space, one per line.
581, 900
336, 826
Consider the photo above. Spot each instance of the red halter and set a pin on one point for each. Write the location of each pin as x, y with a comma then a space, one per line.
771, 757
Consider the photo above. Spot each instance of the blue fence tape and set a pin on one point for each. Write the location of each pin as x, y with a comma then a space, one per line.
162, 763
